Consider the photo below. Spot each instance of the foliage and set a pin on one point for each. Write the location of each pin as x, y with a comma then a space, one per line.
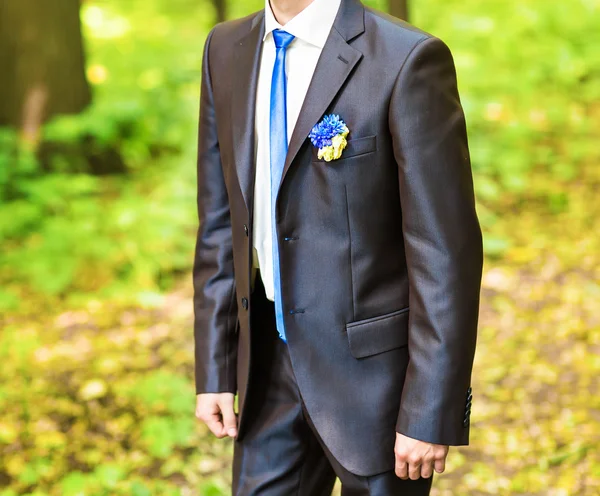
99, 402
72, 233
529, 86
96, 388
109, 198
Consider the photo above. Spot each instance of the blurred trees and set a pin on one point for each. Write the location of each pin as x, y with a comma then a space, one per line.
398, 8
220, 9
532, 111
41, 63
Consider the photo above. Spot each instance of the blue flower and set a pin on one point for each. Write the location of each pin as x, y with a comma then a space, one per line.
322, 133
329, 136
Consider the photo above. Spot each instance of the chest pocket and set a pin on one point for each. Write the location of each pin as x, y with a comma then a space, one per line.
354, 148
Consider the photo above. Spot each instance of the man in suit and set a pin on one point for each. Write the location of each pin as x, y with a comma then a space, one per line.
338, 298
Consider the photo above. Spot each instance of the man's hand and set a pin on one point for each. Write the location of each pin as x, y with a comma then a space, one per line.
416, 458
216, 411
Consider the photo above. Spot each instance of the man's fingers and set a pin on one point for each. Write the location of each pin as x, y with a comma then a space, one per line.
215, 424
414, 468
427, 468
440, 465
415, 459
401, 462
401, 469
210, 411
228, 414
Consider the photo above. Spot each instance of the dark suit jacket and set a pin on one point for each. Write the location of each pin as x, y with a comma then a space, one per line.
380, 250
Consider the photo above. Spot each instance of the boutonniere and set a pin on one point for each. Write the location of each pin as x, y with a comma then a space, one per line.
329, 136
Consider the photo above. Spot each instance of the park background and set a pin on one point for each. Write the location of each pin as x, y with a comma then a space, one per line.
98, 223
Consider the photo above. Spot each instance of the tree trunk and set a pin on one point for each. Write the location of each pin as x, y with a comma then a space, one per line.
42, 68
221, 9
399, 8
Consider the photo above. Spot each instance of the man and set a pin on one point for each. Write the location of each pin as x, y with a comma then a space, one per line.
336, 287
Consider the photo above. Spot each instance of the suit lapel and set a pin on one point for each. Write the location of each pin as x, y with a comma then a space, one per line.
336, 62
246, 64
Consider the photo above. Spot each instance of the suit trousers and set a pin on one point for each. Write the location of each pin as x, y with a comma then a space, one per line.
281, 452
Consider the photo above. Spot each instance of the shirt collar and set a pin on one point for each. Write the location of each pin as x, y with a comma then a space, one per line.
312, 25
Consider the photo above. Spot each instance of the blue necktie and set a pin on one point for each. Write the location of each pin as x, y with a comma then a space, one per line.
278, 150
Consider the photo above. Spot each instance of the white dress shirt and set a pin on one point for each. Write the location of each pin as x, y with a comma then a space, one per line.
311, 28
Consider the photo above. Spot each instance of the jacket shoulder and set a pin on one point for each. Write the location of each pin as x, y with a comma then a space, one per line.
394, 30
233, 29
397, 38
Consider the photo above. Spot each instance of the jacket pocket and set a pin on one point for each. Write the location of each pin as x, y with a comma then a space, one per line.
378, 334
354, 147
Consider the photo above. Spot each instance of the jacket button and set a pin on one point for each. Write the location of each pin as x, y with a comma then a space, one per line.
246, 229
245, 303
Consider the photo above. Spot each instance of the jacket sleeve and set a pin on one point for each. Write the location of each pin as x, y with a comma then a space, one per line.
215, 306
443, 245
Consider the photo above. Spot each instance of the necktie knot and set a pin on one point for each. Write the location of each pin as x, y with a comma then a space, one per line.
282, 38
